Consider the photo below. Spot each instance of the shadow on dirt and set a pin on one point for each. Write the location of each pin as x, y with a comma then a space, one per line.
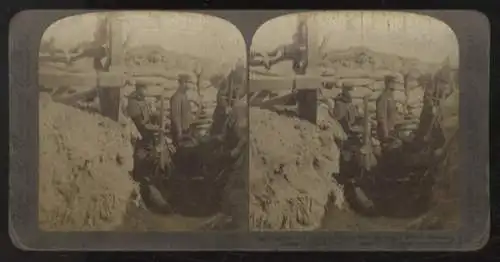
192, 186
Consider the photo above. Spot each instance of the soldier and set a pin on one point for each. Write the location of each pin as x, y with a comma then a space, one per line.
344, 110
386, 111
346, 113
234, 81
429, 125
236, 144
140, 112
222, 108
181, 115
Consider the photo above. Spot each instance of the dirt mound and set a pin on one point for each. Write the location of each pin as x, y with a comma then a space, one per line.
291, 165
84, 165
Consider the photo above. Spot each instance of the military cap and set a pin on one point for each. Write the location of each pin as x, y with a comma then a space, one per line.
347, 86
184, 78
140, 84
389, 79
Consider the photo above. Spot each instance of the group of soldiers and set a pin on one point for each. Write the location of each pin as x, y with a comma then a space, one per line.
229, 129
228, 113
346, 113
428, 133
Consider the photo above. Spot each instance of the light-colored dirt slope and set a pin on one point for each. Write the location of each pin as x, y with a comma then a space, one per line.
85, 161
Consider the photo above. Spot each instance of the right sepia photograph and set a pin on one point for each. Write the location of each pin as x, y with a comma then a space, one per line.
353, 123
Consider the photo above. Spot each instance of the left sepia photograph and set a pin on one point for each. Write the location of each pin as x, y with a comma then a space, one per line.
143, 123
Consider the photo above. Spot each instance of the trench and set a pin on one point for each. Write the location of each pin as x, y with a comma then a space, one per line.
415, 205
187, 201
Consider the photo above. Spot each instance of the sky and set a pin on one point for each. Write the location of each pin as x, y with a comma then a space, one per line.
400, 33
194, 34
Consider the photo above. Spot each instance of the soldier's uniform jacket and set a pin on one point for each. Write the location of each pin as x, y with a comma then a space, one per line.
219, 116
140, 112
430, 117
345, 112
180, 114
386, 114
235, 80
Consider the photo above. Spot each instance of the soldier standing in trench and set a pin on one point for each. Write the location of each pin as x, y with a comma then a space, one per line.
386, 112
429, 130
345, 113
234, 81
181, 115
234, 215
139, 111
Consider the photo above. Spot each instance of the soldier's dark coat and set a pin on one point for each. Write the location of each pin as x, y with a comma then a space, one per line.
180, 115
140, 113
345, 112
386, 114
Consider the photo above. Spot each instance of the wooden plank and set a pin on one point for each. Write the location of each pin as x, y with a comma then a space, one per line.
110, 87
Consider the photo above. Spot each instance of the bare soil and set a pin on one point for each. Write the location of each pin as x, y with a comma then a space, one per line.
291, 163
84, 164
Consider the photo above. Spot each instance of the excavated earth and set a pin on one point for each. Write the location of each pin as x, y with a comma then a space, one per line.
84, 164
291, 165
85, 182
291, 187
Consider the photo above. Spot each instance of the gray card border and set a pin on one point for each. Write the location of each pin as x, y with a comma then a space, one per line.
473, 33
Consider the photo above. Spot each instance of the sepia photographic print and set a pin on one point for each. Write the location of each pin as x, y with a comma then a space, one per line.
353, 123
249, 130
143, 123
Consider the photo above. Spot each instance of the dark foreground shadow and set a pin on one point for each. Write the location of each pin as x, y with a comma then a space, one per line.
193, 186
391, 189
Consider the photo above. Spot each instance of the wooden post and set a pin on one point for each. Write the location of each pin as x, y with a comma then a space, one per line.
306, 87
302, 31
313, 55
110, 82
307, 100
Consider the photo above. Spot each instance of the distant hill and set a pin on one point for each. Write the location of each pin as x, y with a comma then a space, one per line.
146, 59
155, 55
363, 58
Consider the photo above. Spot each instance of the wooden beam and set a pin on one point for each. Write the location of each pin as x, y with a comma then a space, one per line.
313, 56
109, 84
